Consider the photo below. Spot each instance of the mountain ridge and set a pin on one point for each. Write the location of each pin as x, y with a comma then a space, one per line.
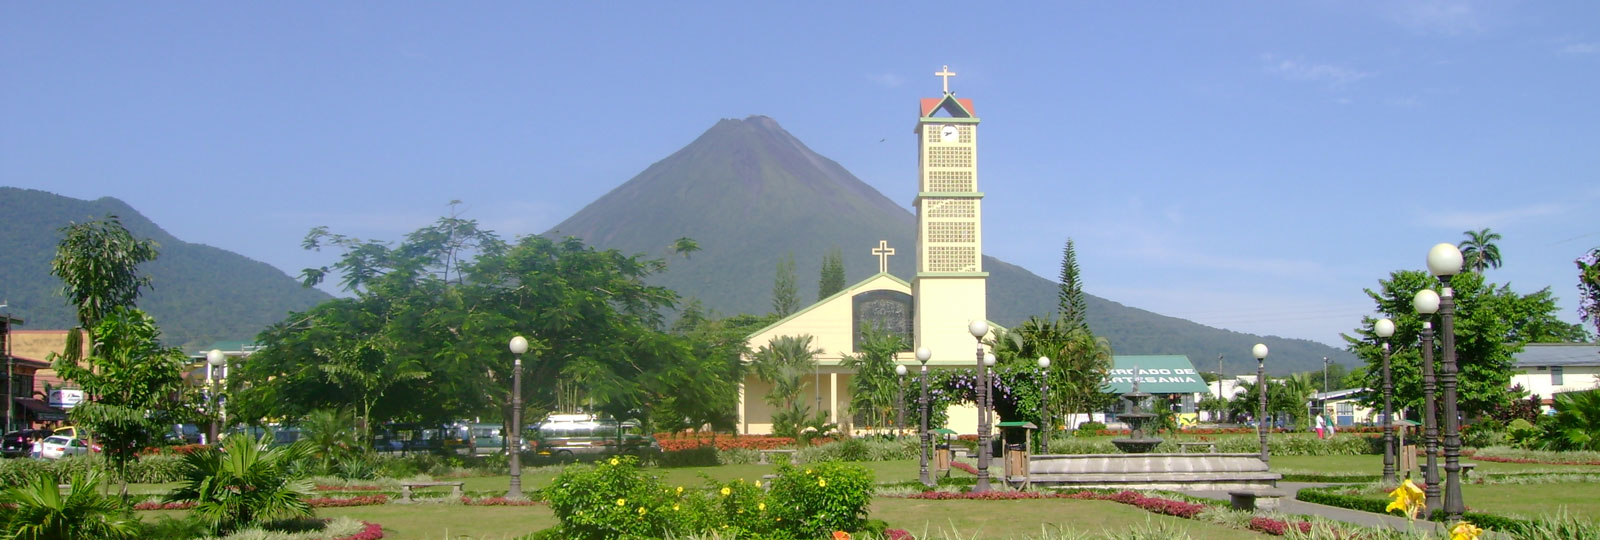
751, 193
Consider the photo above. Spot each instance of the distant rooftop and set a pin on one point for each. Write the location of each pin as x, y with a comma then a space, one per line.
1559, 354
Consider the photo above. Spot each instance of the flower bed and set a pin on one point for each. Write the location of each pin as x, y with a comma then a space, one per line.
369, 531
1158, 505
1277, 527
1498, 459
672, 442
315, 502
497, 501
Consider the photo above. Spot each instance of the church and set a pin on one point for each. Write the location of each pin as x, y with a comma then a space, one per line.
934, 310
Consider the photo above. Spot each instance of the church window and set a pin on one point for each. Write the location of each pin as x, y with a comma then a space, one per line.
955, 208
952, 232
950, 181
950, 157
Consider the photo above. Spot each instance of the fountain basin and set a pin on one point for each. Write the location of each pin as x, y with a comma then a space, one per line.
1196, 472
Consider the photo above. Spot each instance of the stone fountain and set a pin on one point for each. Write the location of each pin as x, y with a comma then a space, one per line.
1136, 418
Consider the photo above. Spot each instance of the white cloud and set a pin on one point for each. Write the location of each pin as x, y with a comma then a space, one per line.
1581, 48
1491, 218
1299, 70
887, 79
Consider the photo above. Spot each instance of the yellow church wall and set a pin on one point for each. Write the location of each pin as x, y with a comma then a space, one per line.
756, 414
827, 322
945, 307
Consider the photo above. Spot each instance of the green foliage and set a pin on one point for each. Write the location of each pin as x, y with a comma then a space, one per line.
98, 265
1577, 423
1080, 366
860, 449
612, 499
875, 386
832, 279
699, 456
133, 379
685, 246
1491, 324
328, 436
1479, 252
786, 362
1073, 309
814, 500
703, 389
785, 298
41, 512
244, 483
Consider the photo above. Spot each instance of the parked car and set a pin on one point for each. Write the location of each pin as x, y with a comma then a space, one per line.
56, 447
20, 443
574, 437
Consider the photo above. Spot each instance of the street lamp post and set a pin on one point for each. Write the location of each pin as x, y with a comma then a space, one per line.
1427, 303
214, 360
900, 402
519, 345
1385, 328
1444, 260
978, 329
1260, 352
923, 354
1325, 387
1048, 426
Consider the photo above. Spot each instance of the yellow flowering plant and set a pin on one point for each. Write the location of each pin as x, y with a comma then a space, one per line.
1465, 531
1407, 498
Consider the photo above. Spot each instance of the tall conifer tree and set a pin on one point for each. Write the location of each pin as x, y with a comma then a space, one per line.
1073, 308
832, 279
785, 298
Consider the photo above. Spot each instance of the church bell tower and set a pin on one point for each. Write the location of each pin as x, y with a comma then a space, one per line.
950, 287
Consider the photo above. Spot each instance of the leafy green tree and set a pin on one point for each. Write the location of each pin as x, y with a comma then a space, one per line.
362, 368
832, 279
1492, 324
98, 265
704, 390
1073, 308
875, 385
1479, 251
784, 362
785, 298
38, 511
133, 381
1589, 288
328, 435
243, 483
1080, 361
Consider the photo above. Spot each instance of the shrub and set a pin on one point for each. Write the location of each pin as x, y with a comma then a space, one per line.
1088, 429
699, 456
738, 456
859, 449
821, 498
156, 469
244, 482
612, 500
39, 510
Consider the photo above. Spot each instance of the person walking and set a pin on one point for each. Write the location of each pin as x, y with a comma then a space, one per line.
1322, 426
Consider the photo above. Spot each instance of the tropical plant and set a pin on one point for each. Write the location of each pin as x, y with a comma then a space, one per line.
40, 512
685, 246
243, 483
98, 265
1479, 251
361, 367
329, 436
1080, 362
1073, 308
875, 385
1589, 287
1578, 420
784, 362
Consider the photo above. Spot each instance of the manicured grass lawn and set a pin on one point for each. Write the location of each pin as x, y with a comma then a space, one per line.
1373, 464
1031, 518
1534, 500
450, 521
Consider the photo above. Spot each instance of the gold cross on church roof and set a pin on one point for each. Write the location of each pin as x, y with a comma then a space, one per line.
947, 74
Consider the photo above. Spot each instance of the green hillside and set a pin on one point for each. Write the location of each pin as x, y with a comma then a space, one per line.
750, 193
201, 294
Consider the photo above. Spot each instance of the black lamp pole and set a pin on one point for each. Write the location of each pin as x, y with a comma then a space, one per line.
1260, 351
978, 330
519, 345
923, 354
1430, 422
1444, 260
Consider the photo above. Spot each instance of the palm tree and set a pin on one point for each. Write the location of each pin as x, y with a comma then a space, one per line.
684, 246
40, 512
1479, 250
784, 363
1578, 420
244, 483
328, 435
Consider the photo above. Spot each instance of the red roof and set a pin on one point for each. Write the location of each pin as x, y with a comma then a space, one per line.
931, 104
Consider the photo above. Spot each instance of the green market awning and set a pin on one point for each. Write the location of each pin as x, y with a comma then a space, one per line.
1158, 374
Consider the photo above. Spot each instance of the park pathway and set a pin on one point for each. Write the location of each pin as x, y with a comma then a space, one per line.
1366, 519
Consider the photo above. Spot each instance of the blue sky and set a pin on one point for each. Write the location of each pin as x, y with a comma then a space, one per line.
1251, 166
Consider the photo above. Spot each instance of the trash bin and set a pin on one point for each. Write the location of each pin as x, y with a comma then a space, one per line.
941, 457
1016, 461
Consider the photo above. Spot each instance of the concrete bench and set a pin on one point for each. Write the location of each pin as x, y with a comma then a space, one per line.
1251, 499
766, 481
1466, 470
406, 487
1184, 447
766, 456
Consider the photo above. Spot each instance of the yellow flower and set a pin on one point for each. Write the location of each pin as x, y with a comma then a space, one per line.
674, 507
762, 507
808, 471
822, 482
614, 461
758, 483
622, 502
641, 510
1408, 498
1465, 531
726, 491
680, 490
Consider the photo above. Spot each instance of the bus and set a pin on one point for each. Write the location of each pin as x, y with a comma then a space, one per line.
575, 437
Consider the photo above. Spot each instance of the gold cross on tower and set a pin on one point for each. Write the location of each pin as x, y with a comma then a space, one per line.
883, 251
947, 75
